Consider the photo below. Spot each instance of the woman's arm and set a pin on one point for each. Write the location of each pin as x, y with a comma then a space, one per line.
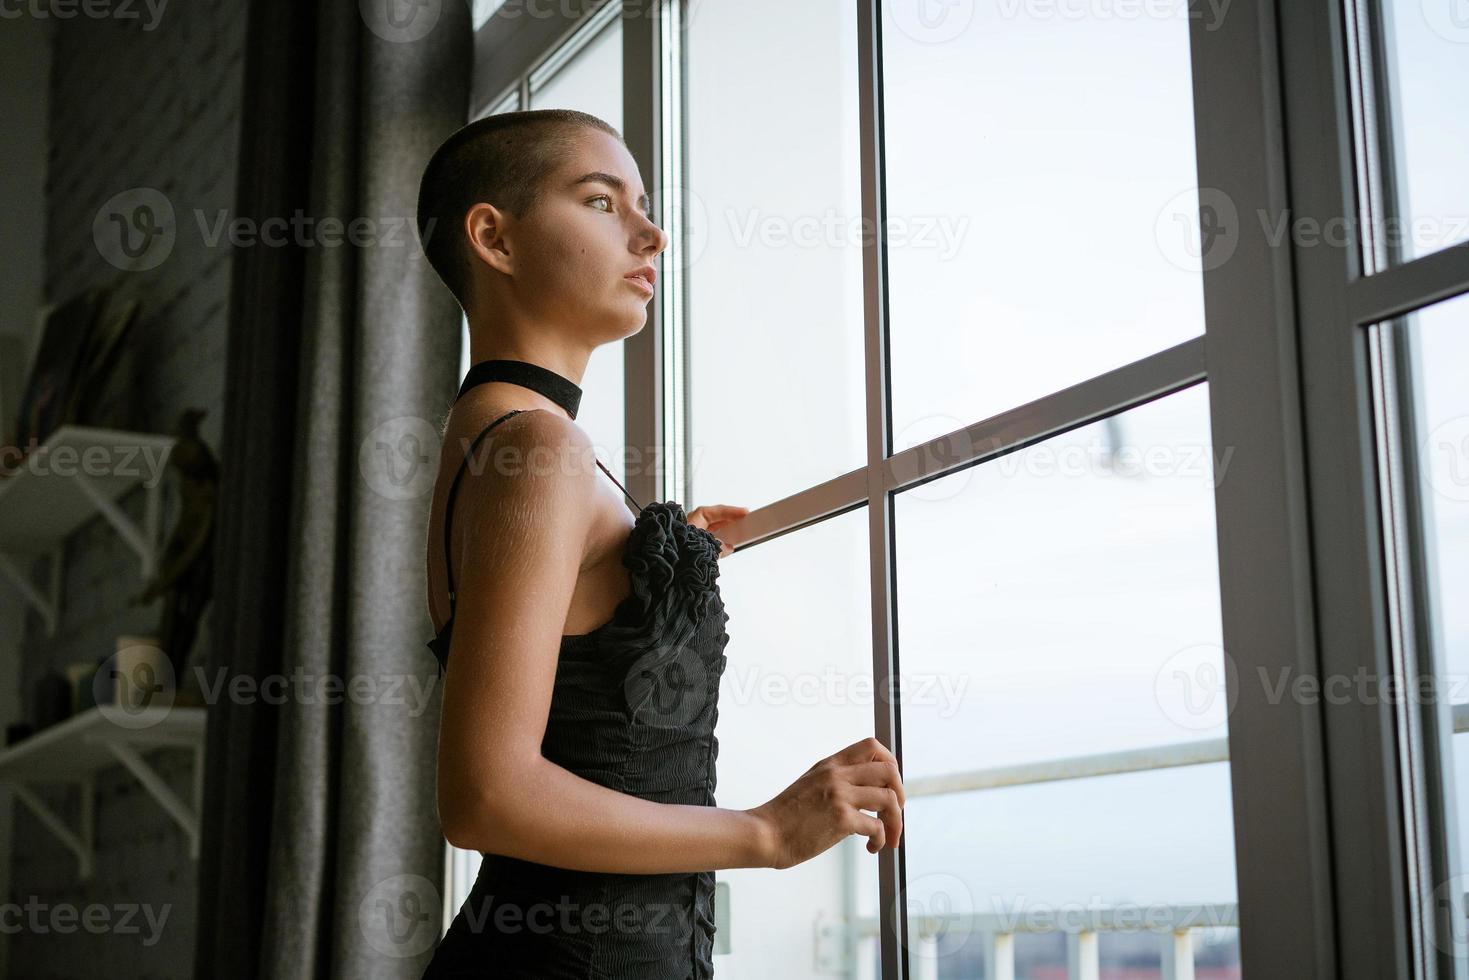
523, 517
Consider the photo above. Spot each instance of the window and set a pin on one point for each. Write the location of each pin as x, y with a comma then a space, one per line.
1043, 201
1094, 373
774, 256
1426, 53
1425, 464
1064, 734
800, 690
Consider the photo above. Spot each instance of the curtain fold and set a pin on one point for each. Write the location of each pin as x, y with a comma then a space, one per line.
323, 851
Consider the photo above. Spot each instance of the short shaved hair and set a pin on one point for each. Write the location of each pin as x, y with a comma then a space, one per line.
502, 160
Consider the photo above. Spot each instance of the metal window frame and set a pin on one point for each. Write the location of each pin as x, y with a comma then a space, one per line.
1389, 845
1319, 839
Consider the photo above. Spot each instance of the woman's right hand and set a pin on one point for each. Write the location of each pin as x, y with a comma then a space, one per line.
826, 804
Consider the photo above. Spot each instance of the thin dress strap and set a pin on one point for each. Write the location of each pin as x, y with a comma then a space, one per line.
621, 487
449, 504
454, 490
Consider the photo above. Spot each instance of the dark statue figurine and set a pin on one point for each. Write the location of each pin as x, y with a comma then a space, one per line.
185, 574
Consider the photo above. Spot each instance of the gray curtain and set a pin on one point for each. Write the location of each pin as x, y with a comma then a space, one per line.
323, 855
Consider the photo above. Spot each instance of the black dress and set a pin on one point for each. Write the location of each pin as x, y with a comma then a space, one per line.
633, 708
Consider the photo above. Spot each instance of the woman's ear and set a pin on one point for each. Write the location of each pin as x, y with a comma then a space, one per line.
486, 228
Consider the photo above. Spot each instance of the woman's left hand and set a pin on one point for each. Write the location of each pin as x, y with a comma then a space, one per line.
713, 517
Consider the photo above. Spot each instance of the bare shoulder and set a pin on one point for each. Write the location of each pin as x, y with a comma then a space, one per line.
536, 451
537, 467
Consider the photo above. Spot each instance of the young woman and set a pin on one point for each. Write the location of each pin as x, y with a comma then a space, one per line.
582, 647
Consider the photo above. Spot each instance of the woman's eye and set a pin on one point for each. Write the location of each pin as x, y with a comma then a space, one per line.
603, 197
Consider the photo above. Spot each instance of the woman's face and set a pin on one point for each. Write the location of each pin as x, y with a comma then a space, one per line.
572, 255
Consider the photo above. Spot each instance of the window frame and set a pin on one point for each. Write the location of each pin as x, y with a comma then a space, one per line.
1322, 848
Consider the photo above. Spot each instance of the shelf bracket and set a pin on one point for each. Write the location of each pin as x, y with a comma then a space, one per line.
80, 842
185, 817
48, 607
140, 539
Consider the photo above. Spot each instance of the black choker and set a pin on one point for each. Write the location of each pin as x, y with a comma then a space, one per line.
565, 393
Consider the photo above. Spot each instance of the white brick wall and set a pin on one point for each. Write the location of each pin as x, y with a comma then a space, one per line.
132, 108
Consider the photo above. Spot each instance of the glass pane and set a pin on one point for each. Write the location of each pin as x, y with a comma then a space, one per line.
592, 82
1064, 716
1428, 67
1437, 340
1043, 202
797, 688
774, 254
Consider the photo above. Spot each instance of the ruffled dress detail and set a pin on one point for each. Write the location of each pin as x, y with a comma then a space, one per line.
633, 708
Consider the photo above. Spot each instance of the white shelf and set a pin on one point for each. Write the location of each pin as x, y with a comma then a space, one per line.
74, 751
77, 473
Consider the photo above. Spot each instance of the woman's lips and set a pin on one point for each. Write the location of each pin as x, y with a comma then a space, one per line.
641, 283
